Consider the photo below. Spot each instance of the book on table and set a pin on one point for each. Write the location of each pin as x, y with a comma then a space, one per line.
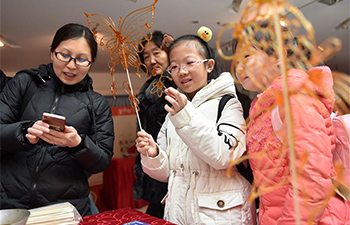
61, 213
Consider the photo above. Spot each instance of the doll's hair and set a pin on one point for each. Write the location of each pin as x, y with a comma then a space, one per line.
203, 49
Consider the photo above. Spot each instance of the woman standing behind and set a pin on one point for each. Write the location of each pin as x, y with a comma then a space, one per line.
42, 166
193, 151
152, 116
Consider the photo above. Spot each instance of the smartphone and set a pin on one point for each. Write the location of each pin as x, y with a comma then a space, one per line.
56, 122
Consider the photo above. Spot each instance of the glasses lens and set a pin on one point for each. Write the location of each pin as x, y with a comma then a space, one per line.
191, 66
62, 57
82, 62
173, 69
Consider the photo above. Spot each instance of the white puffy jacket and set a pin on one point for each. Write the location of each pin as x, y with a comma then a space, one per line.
194, 159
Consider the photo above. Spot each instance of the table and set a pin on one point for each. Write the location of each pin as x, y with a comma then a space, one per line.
117, 187
121, 216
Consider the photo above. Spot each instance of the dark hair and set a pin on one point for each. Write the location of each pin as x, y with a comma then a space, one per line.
74, 30
156, 37
204, 50
261, 35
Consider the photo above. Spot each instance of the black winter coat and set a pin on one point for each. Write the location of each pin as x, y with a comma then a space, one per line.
44, 174
152, 115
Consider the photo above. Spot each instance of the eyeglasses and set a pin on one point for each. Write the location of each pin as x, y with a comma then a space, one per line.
174, 69
67, 58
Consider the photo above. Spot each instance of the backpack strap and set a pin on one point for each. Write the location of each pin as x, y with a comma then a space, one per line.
222, 104
244, 170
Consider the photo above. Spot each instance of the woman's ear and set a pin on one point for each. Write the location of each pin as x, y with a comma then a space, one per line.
210, 65
51, 55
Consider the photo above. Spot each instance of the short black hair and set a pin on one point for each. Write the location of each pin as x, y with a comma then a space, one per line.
74, 30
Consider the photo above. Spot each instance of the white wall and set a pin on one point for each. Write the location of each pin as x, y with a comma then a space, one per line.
125, 135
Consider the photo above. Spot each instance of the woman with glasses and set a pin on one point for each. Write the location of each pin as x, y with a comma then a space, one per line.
42, 166
194, 149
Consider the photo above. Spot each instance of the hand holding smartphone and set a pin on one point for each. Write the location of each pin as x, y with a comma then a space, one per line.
56, 122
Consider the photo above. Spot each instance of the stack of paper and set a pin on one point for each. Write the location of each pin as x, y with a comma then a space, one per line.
62, 213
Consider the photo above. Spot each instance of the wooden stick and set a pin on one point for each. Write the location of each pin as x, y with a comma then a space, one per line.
132, 93
130, 84
288, 112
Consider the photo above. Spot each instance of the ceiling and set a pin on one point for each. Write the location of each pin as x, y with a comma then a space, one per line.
32, 24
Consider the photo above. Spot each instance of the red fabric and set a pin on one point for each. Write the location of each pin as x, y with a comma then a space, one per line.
117, 188
121, 216
122, 110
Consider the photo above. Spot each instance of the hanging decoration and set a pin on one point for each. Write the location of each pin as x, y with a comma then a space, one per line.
123, 43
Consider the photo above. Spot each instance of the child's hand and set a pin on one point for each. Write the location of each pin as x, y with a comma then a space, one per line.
145, 144
176, 99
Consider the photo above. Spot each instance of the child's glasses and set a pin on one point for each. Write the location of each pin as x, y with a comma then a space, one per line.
174, 69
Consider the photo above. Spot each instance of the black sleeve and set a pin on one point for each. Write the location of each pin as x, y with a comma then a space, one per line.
95, 155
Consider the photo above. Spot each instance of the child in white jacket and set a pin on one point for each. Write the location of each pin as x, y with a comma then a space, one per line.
193, 151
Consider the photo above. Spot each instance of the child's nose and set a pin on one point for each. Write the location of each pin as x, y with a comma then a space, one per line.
239, 68
183, 70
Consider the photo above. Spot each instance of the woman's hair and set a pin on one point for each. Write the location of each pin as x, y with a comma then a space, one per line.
203, 49
157, 38
73, 31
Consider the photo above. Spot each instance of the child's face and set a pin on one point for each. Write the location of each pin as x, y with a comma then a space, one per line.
192, 80
257, 70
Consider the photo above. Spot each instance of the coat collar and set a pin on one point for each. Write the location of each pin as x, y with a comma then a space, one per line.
218, 87
45, 73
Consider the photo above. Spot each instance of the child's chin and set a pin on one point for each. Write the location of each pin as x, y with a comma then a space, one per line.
249, 87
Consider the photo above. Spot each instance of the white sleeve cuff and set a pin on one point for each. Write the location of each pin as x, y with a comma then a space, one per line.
153, 162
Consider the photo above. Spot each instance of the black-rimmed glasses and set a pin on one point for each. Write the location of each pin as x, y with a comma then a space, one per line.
67, 58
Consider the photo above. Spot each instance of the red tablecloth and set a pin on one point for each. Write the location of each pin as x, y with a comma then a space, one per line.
117, 188
121, 216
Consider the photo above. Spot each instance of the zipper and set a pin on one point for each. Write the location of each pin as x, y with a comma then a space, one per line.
190, 178
56, 99
195, 213
171, 184
35, 178
42, 151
